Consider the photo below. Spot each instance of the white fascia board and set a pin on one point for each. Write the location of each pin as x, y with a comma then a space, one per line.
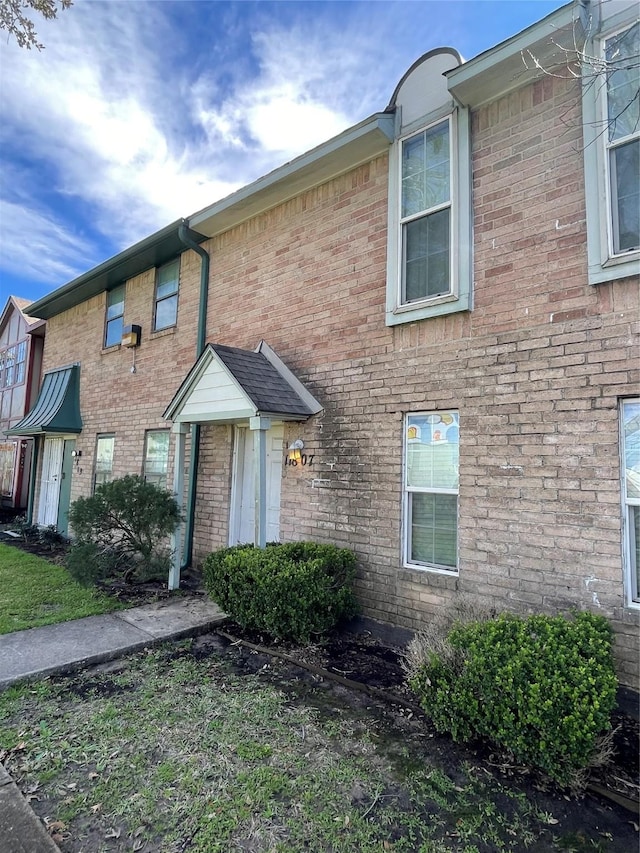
521, 59
354, 146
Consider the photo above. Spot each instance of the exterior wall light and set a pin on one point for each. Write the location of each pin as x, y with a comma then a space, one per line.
295, 450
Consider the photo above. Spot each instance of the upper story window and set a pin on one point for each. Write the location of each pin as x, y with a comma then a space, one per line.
429, 267
115, 316
611, 116
425, 222
623, 138
166, 301
13, 364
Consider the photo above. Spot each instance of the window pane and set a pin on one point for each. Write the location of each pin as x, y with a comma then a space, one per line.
634, 549
631, 433
434, 529
104, 459
426, 256
113, 334
622, 83
166, 312
432, 443
167, 280
625, 193
7, 460
157, 457
115, 302
425, 170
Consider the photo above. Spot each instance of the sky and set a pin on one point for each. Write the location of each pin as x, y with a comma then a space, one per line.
139, 112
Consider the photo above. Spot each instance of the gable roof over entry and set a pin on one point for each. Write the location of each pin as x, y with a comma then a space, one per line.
57, 408
228, 385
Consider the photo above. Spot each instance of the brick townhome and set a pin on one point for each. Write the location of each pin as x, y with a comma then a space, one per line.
448, 299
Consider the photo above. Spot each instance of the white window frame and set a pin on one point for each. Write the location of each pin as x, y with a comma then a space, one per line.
604, 264
408, 491
104, 437
459, 297
153, 477
631, 570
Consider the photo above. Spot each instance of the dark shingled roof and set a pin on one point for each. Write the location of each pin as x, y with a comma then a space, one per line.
260, 381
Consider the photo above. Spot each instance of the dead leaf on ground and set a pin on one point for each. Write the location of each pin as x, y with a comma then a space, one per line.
113, 833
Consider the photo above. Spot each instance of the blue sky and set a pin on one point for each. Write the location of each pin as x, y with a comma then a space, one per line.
138, 112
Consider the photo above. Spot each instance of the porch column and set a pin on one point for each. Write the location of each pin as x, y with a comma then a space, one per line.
180, 432
260, 427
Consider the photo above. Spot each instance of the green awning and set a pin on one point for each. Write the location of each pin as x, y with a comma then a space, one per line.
57, 408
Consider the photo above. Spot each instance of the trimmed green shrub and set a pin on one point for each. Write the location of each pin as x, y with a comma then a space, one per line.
290, 590
542, 688
122, 530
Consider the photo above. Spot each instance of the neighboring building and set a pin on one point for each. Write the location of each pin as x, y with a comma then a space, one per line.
21, 342
448, 293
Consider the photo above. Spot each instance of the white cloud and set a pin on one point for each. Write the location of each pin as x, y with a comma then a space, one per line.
42, 249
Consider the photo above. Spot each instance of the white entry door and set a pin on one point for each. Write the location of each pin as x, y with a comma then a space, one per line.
243, 490
50, 483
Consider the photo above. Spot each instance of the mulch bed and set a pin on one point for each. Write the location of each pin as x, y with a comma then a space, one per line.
377, 668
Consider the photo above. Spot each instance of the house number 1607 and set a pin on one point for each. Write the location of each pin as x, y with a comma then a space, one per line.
304, 460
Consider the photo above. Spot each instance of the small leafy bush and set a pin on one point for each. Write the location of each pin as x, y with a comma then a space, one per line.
290, 590
122, 530
542, 688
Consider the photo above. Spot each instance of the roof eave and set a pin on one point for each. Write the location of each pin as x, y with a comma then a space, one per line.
525, 57
152, 251
354, 146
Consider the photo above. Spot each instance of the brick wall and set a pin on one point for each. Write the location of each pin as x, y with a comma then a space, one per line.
536, 372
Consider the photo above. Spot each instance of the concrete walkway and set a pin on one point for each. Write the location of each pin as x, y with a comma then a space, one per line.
68, 646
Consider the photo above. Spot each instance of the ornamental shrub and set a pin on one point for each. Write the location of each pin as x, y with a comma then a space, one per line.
542, 688
122, 530
290, 590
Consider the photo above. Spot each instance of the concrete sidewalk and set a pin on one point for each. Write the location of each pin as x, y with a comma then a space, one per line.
67, 646
37, 652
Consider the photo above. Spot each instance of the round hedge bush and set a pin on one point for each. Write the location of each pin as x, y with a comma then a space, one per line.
291, 591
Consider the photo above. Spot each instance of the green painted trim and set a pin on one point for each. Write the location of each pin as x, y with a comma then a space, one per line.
153, 251
57, 409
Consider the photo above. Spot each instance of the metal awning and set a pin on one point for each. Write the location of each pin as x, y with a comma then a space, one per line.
57, 408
